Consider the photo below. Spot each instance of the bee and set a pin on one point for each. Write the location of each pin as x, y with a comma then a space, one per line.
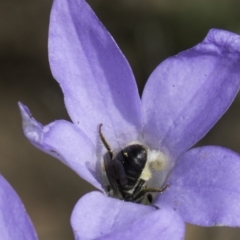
124, 172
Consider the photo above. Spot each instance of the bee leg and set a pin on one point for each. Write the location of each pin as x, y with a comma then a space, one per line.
139, 187
150, 198
140, 193
159, 190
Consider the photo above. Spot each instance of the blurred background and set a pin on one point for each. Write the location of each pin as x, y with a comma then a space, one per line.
147, 32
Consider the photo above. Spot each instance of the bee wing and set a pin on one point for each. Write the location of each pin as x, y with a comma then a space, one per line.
115, 174
108, 164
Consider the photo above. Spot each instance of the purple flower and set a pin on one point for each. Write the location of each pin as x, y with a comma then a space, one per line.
182, 100
14, 221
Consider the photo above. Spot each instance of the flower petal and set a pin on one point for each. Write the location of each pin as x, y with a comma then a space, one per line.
64, 141
96, 216
96, 80
189, 92
204, 187
14, 221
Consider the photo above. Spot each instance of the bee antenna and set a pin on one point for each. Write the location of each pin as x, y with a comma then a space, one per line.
104, 141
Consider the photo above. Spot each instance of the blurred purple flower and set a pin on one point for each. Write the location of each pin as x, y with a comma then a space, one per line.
182, 100
14, 221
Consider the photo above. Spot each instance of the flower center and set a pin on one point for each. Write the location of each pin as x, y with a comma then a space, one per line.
135, 173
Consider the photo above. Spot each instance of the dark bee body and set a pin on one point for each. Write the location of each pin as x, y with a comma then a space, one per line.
124, 171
